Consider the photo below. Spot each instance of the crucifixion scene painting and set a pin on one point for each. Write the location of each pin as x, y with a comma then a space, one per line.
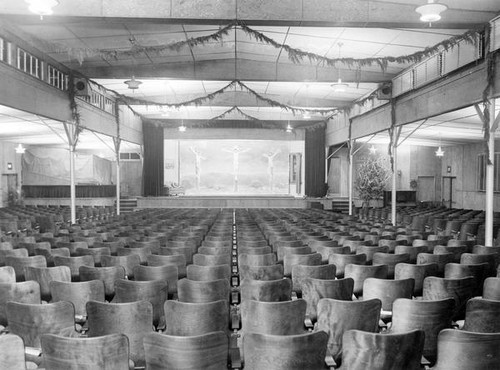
233, 167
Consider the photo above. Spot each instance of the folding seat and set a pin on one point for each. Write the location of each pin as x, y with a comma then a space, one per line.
283, 251
491, 288
341, 260
387, 291
12, 354
478, 271
416, 272
30, 321
257, 259
207, 351
266, 290
464, 350
203, 291
207, 273
390, 260
461, 290
482, 316
301, 271
72, 246
74, 264
310, 259
134, 319
44, 275
7, 274
211, 260
376, 351
19, 263
491, 259
359, 273
110, 352
411, 250
127, 262
107, 275
285, 352
272, 272
23, 292
335, 317
440, 259
431, 316
78, 293
153, 291
315, 289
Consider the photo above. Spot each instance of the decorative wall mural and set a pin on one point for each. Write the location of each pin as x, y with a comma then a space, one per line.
221, 167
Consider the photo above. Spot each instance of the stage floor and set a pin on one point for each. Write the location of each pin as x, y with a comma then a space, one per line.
229, 201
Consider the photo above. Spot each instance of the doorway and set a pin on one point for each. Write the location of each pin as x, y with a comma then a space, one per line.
9, 186
426, 189
448, 191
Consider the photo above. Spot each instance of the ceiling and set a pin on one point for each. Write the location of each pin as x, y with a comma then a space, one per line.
194, 71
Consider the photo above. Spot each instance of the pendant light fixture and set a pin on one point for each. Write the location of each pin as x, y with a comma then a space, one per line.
431, 12
182, 128
20, 149
439, 152
133, 84
339, 86
42, 7
289, 128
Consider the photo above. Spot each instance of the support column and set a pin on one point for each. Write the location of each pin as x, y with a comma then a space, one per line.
490, 176
72, 183
117, 142
394, 181
351, 164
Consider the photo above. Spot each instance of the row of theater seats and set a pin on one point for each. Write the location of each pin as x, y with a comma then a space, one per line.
313, 284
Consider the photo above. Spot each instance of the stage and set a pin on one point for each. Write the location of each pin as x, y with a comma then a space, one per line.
229, 201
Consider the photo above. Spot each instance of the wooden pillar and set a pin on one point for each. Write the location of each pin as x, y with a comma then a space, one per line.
72, 132
490, 176
117, 143
351, 164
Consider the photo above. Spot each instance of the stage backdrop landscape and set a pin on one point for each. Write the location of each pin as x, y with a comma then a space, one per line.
225, 167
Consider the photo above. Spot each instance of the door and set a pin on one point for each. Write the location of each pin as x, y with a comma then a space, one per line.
448, 191
426, 189
9, 189
334, 176
294, 181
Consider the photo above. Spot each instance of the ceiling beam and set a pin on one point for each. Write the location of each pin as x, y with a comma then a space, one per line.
318, 13
224, 70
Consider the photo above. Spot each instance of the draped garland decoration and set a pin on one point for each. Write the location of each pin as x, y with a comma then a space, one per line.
75, 113
294, 54
391, 133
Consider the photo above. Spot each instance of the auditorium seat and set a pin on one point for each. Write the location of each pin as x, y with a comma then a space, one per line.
110, 352
459, 270
74, 263
439, 259
335, 317
23, 292
207, 273
387, 291
310, 259
359, 273
461, 290
178, 260
482, 316
206, 351
19, 263
315, 289
7, 274
278, 318
134, 319
12, 354
44, 275
267, 259
341, 260
374, 351
463, 350
416, 272
390, 260
271, 272
30, 321
301, 271
431, 316
203, 291
107, 275
285, 352
491, 288
266, 290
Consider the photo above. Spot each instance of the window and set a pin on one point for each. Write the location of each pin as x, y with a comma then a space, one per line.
57, 78
481, 172
28, 63
130, 156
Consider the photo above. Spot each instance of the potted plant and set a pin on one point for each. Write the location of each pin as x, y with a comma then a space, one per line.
372, 177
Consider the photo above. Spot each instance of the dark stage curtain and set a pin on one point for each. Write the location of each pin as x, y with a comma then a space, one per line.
315, 163
152, 173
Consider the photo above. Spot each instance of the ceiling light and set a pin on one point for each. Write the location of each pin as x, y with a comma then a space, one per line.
20, 149
306, 115
439, 152
340, 86
289, 128
373, 150
431, 12
182, 128
133, 84
42, 7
